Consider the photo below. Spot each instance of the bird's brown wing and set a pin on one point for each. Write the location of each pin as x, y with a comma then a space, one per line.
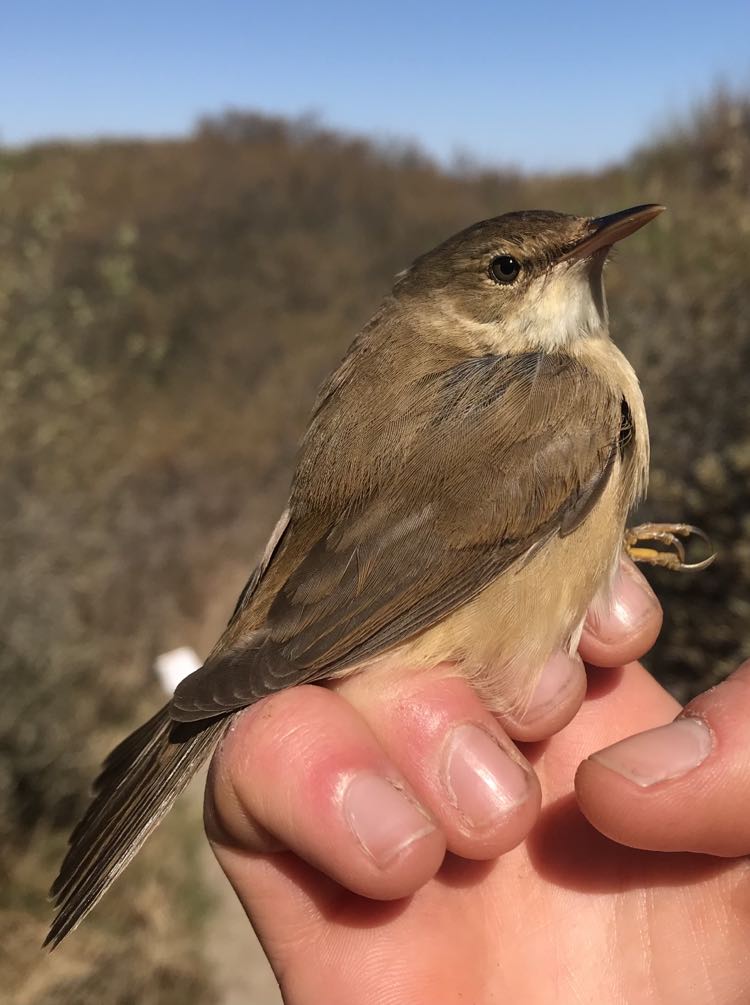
520, 449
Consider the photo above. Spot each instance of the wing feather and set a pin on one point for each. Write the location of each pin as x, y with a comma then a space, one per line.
518, 448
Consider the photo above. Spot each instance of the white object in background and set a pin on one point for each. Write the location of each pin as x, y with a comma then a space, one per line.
175, 666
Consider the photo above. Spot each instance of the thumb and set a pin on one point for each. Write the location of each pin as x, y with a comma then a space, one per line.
680, 787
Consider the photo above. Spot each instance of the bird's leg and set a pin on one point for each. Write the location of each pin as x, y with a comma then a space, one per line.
669, 534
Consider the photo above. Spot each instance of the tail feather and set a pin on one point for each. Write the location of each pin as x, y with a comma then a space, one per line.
138, 783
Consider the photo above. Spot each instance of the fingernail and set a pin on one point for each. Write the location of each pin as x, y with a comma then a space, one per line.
633, 603
659, 754
483, 782
557, 678
382, 818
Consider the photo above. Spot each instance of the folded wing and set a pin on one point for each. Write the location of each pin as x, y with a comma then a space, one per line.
519, 449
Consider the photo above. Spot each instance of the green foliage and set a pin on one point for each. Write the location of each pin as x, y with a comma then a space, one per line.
167, 310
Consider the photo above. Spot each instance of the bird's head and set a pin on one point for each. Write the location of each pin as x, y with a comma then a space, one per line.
531, 279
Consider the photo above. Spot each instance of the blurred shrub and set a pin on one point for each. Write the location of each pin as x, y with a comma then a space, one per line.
166, 312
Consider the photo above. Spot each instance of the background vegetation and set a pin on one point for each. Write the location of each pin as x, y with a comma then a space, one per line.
166, 312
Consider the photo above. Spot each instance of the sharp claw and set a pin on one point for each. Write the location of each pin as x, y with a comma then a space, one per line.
687, 530
697, 566
668, 534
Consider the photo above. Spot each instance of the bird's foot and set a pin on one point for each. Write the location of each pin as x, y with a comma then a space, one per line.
671, 535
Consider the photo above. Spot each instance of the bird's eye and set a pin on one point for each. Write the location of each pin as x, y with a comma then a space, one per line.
504, 269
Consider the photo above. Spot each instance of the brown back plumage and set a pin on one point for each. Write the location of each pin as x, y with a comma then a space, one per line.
374, 564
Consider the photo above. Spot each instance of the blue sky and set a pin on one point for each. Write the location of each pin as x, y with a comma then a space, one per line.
537, 84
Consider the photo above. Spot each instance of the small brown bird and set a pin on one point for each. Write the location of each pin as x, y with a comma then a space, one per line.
460, 497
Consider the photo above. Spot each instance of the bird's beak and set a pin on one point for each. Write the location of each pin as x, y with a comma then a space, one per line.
607, 230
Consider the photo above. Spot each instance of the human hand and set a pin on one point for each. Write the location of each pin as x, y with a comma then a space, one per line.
366, 789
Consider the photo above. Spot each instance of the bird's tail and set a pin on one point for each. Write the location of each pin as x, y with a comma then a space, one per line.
138, 783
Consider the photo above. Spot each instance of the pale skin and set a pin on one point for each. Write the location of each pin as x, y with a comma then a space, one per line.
531, 904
